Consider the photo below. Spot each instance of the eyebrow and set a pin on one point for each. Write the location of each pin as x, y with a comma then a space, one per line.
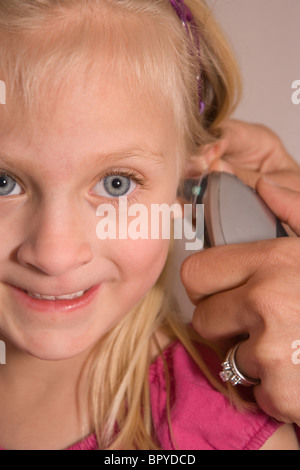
128, 152
132, 152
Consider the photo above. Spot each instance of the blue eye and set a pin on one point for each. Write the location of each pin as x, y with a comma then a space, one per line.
8, 186
114, 186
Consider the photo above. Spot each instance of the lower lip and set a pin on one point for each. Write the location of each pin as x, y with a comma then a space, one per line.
55, 306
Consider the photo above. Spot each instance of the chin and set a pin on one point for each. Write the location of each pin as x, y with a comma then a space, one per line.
51, 346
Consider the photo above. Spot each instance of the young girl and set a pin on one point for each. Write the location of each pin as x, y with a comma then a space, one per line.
106, 100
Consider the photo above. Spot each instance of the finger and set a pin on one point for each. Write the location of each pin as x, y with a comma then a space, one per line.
254, 147
289, 179
198, 165
224, 267
264, 393
249, 177
241, 143
221, 316
278, 396
251, 146
262, 359
245, 359
284, 202
237, 138
272, 407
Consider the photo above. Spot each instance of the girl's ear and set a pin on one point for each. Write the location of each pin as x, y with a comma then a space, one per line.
199, 164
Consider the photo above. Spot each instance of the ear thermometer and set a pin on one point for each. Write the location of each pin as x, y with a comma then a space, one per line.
233, 212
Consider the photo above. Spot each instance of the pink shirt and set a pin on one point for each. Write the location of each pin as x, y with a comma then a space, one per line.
202, 418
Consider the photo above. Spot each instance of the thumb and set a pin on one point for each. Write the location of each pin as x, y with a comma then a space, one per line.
284, 202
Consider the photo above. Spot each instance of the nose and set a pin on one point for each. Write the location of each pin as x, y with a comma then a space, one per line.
56, 243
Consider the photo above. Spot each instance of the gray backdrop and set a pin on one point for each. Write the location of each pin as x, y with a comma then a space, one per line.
265, 35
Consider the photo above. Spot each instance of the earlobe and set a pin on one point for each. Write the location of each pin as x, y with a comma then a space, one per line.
198, 164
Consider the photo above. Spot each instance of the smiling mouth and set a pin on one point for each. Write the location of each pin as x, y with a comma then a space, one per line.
76, 295
53, 303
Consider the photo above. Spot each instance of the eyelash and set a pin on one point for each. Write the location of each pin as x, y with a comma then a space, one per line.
140, 181
4, 172
7, 173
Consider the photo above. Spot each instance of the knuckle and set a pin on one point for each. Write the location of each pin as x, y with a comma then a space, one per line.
271, 302
262, 301
281, 251
269, 134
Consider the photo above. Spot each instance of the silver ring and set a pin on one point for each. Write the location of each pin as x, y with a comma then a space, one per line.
230, 372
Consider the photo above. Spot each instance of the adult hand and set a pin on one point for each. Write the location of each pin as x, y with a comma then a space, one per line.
253, 289
248, 151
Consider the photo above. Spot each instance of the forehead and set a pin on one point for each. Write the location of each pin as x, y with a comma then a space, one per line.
90, 119
138, 49
114, 72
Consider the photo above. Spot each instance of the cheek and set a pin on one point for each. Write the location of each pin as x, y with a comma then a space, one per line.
141, 262
11, 236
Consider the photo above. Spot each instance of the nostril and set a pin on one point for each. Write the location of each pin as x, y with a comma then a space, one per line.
54, 258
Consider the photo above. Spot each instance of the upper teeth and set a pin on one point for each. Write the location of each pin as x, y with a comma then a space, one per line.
52, 297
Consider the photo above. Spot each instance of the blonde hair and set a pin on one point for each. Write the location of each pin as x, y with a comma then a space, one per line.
44, 42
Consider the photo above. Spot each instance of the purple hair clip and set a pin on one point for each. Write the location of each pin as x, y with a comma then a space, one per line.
183, 12
186, 17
